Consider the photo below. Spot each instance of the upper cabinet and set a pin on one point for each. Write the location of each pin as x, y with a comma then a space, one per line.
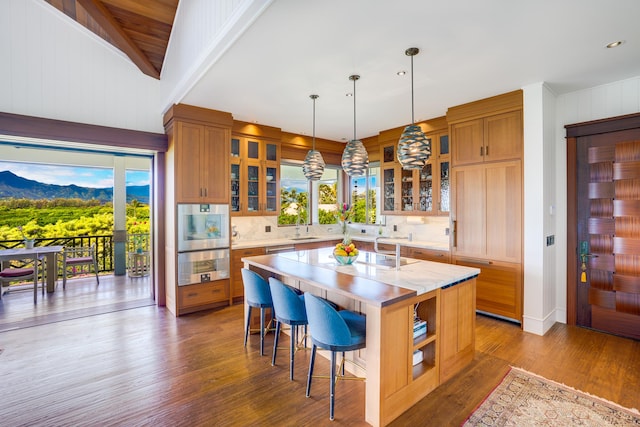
198, 168
197, 146
416, 192
487, 139
255, 175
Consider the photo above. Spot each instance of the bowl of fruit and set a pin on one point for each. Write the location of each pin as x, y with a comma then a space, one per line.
345, 253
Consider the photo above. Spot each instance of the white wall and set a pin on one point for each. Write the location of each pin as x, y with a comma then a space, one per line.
203, 31
54, 68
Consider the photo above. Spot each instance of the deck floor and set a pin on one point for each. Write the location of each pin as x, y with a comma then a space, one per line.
82, 297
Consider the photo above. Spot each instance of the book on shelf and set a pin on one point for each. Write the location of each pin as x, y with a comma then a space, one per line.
419, 328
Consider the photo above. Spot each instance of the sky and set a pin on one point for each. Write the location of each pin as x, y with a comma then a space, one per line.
67, 175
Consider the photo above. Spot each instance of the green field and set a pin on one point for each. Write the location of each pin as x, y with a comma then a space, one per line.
65, 217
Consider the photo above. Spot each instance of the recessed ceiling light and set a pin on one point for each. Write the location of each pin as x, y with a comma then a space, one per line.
401, 73
614, 44
349, 94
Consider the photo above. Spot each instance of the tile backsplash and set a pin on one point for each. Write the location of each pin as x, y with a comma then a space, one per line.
428, 229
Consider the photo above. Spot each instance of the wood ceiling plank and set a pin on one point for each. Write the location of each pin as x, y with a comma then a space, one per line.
104, 18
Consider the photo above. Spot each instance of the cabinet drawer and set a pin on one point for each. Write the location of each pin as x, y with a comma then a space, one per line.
428, 254
203, 293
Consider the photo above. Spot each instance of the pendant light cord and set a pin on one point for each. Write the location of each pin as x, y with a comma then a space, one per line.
314, 123
354, 107
413, 120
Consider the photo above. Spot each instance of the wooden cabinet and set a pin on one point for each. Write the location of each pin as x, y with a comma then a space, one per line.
198, 169
457, 337
487, 211
203, 296
237, 287
488, 139
417, 192
255, 176
425, 254
487, 199
499, 287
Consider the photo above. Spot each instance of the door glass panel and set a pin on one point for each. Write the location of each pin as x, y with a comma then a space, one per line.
444, 144
272, 190
426, 189
235, 147
388, 154
235, 188
253, 185
389, 190
253, 149
444, 187
407, 190
272, 152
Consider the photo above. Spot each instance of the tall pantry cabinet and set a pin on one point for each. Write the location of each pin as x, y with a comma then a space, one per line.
197, 171
486, 205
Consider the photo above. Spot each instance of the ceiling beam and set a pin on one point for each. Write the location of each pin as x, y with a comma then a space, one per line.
103, 17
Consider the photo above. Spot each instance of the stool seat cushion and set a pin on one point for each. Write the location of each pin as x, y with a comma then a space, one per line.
16, 272
357, 324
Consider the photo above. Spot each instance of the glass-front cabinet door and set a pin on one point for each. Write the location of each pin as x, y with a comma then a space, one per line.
425, 197
254, 176
271, 204
444, 163
406, 188
388, 166
235, 187
416, 192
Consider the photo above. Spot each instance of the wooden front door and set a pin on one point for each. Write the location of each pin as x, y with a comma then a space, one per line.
604, 252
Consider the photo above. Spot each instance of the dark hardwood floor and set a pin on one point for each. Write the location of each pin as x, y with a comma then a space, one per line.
143, 366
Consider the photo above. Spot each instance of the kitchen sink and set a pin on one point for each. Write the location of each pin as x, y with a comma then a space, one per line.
304, 238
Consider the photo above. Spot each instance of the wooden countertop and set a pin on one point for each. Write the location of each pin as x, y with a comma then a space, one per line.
366, 280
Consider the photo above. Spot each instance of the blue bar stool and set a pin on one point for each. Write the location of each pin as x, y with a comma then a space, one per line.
257, 294
290, 310
333, 330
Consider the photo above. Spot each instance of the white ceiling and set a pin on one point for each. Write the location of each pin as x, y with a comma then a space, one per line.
469, 50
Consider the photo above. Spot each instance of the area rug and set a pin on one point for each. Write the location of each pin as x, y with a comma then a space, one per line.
526, 399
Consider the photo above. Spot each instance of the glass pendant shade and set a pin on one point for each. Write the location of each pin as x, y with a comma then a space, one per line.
414, 148
355, 159
313, 166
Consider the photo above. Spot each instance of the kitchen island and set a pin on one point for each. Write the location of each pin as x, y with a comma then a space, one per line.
400, 369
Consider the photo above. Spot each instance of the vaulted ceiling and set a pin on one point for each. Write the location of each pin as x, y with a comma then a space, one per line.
141, 29
290, 49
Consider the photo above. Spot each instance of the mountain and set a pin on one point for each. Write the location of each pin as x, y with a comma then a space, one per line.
14, 186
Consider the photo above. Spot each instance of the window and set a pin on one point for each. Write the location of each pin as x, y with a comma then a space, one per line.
364, 192
318, 197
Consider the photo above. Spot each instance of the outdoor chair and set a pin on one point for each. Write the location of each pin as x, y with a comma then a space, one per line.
75, 258
21, 274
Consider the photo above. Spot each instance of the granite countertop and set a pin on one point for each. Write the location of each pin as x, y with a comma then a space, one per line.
244, 244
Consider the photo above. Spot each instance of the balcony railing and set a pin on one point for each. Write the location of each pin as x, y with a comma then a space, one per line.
104, 246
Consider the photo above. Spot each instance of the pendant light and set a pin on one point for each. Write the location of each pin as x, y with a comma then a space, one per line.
313, 166
355, 159
414, 148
